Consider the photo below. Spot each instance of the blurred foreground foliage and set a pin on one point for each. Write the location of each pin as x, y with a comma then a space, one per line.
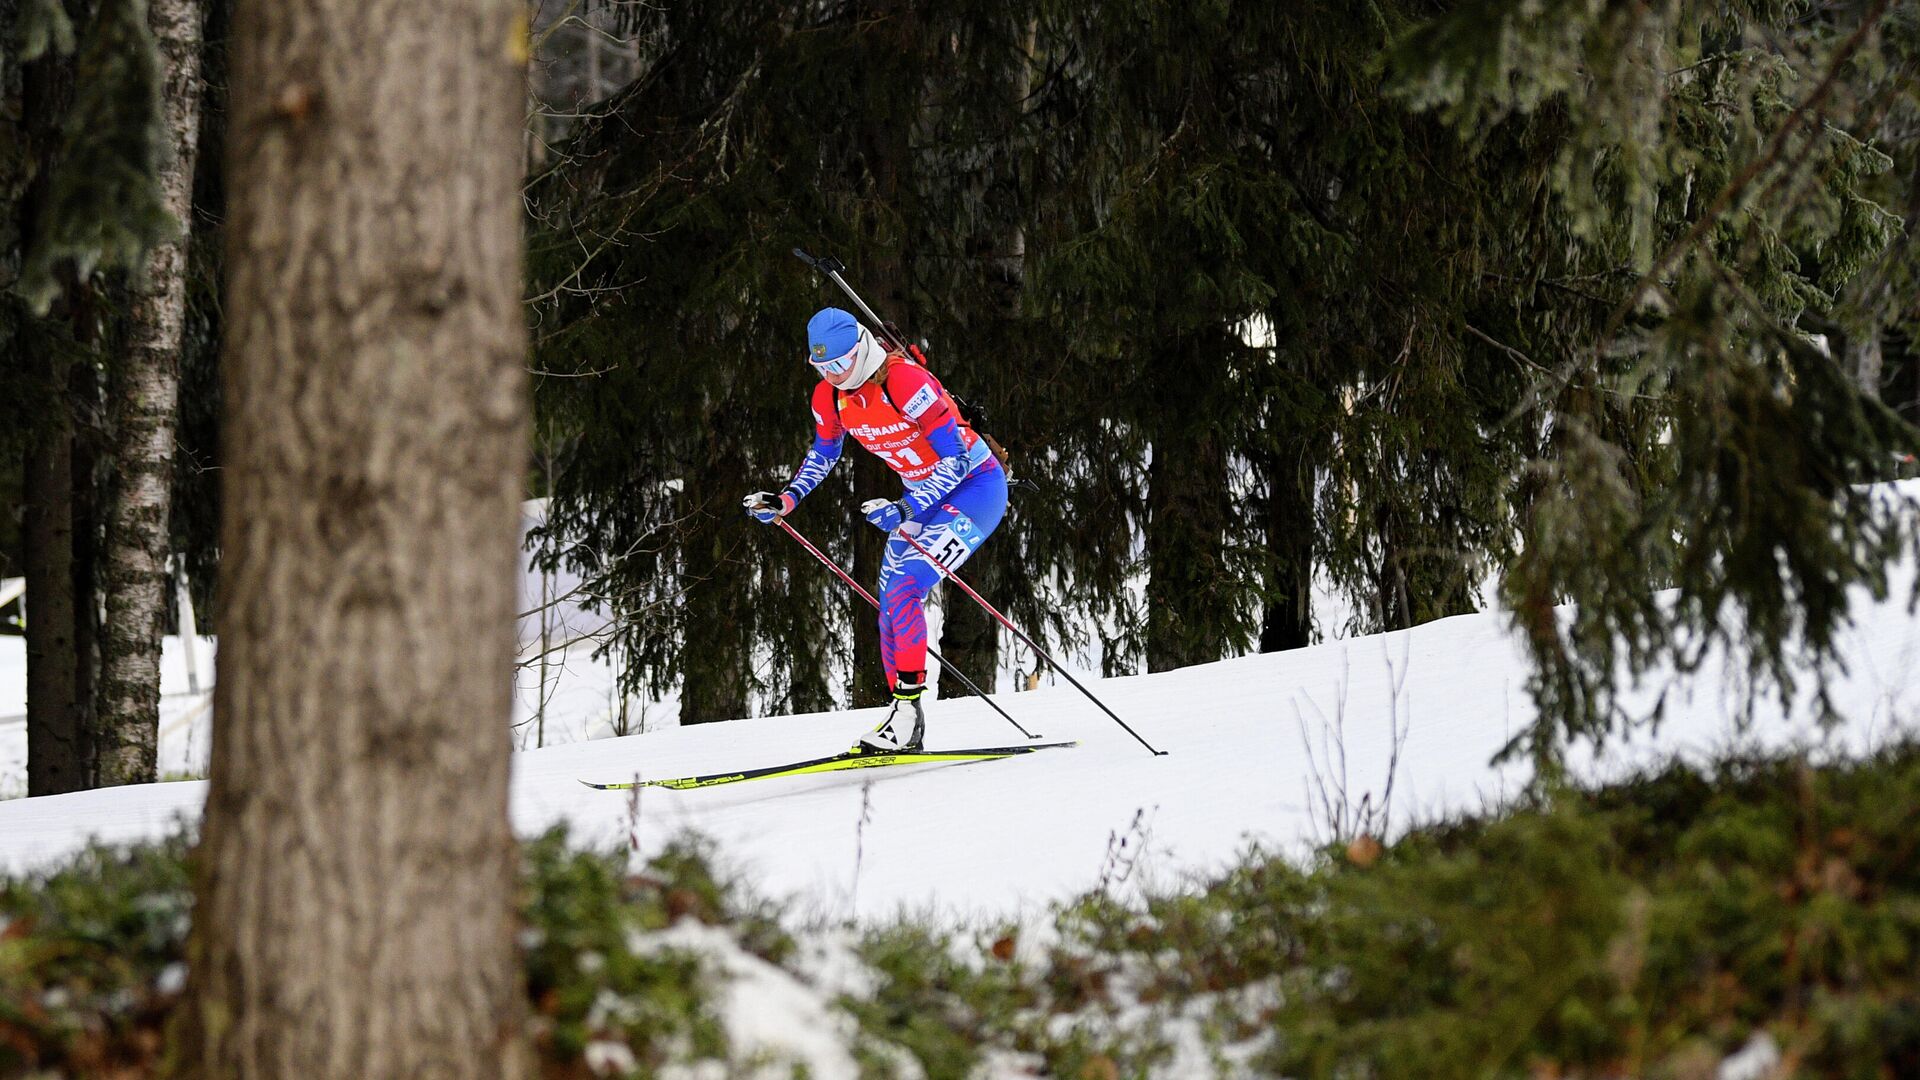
1650, 928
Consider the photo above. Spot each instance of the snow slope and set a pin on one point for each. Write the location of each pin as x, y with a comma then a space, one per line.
1259, 748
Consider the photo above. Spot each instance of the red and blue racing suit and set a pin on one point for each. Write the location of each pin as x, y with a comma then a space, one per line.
956, 489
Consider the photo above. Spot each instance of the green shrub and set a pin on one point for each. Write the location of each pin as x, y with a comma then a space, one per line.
594, 978
91, 960
92, 956
1646, 928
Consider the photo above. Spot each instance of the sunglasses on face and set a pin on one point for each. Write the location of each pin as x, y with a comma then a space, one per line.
838, 365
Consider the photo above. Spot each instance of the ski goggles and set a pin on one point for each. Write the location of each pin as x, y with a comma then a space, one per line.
846, 361
837, 365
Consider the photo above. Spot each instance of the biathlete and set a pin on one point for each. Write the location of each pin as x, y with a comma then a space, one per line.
956, 491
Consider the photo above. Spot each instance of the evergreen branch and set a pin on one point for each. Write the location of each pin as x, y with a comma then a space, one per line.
1770, 155
1505, 348
1776, 146
1704, 61
545, 373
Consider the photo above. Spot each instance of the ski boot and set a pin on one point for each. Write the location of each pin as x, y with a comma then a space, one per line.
906, 724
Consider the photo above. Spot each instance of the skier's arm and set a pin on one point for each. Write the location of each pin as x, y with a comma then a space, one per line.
820, 460
925, 403
828, 435
954, 466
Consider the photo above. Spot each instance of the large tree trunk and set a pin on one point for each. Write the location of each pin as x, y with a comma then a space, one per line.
36, 97
969, 637
83, 397
354, 909
1286, 618
145, 404
718, 657
1188, 589
1393, 592
888, 26
56, 744
717, 641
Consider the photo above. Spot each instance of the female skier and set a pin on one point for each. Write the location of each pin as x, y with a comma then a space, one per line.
956, 491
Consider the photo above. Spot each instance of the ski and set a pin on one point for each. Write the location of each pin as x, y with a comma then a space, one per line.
849, 759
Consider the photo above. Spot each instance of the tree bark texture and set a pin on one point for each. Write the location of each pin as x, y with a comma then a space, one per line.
83, 398
36, 98
56, 743
354, 909
968, 635
145, 407
887, 31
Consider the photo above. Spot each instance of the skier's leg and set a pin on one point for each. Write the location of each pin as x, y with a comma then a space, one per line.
892, 626
887, 651
903, 648
952, 530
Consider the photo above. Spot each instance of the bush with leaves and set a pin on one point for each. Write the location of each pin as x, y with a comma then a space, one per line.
91, 961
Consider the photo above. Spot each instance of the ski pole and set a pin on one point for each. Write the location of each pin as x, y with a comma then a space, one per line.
944, 666
1031, 644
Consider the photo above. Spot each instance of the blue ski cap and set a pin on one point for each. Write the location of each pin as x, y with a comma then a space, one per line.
833, 340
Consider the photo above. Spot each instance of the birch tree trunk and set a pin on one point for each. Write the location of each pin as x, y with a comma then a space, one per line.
354, 910
145, 406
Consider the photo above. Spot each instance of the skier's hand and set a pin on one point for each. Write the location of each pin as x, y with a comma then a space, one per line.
885, 514
765, 506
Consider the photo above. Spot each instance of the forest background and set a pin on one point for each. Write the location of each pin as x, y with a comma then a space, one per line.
1592, 300
1612, 304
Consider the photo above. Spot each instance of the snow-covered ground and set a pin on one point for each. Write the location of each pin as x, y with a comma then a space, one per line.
185, 703
1260, 748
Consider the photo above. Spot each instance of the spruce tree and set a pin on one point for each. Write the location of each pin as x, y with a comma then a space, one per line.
784, 128
1706, 436
1487, 249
